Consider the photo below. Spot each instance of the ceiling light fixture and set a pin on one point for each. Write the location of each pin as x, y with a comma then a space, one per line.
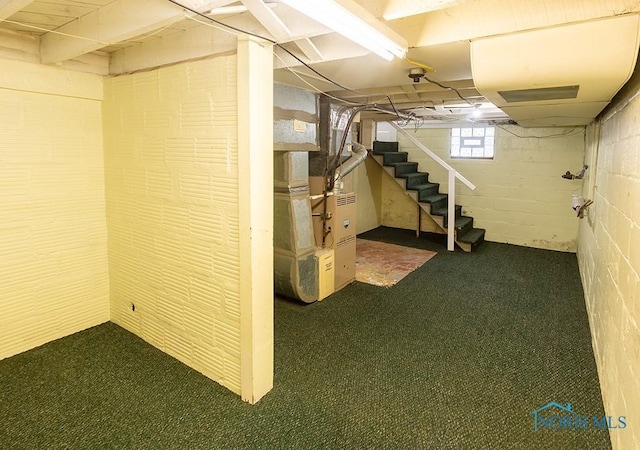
335, 15
415, 73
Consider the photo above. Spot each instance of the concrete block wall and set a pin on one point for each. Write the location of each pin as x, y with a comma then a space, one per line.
171, 146
53, 236
609, 258
521, 197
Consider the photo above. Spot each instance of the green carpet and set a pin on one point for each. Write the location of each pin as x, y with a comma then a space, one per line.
456, 355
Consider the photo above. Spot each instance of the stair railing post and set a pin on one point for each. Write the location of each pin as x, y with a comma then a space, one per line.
451, 210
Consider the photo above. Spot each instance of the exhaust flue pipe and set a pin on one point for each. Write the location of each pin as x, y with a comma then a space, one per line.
358, 155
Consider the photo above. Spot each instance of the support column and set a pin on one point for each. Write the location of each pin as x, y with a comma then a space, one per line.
255, 178
367, 133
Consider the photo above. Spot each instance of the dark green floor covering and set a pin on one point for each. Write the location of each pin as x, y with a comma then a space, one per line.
454, 356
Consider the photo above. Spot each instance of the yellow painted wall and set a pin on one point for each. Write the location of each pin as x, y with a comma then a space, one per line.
53, 241
520, 198
609, 258
401, 211
366, 180
171, 151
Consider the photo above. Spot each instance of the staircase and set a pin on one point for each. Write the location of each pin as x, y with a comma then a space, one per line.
426, 194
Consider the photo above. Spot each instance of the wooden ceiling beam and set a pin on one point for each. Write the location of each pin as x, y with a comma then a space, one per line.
265, 15
113, 23
310, 50
9, 7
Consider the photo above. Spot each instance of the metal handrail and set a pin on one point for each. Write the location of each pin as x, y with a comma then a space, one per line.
453, 174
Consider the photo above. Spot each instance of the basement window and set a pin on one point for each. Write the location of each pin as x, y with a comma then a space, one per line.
472, 142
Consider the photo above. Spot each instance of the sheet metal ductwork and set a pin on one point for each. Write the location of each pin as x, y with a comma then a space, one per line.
295, 133
296, 253
557, 76
295, 265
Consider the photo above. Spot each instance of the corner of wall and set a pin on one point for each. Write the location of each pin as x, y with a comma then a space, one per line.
608, 256
53, 243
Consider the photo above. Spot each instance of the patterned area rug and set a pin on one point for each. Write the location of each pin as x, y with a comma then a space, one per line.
383, 264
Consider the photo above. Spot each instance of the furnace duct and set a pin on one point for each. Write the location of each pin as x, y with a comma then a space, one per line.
296, 255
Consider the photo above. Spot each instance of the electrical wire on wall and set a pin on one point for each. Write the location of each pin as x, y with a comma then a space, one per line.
571, 132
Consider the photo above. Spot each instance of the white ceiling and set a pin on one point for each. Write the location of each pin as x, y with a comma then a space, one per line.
119, 36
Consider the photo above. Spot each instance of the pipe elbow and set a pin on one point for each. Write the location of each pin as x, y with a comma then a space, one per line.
358, 155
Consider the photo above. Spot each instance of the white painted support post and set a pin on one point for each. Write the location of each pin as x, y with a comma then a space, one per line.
419, 220
255, 184
451, 210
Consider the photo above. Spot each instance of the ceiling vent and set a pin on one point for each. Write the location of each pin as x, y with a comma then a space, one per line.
535, 95
558, 76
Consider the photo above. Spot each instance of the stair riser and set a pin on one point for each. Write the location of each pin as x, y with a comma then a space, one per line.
462, 223
394, 157
443, 211
426, 193
439, 204
423, 178
464, 229
445, 218
471, 240
478, 242
458, 209
383, 147
406, 168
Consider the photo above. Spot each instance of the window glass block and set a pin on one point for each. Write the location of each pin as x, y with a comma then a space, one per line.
473, 143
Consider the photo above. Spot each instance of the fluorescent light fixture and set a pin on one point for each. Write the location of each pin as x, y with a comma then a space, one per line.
335, 16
